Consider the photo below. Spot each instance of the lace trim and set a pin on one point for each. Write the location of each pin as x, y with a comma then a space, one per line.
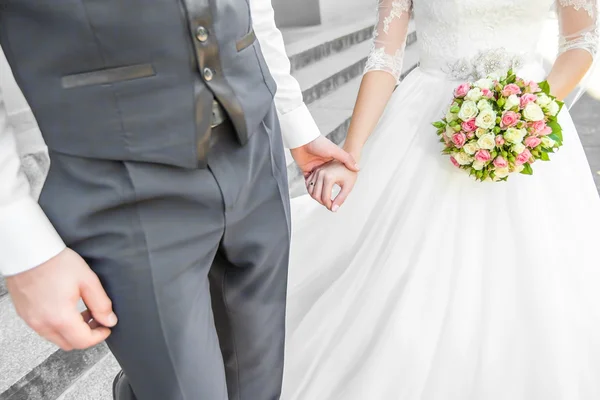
587, 41
379, 60
587, 5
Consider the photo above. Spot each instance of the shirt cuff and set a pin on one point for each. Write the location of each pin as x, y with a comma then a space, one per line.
298, 127
27, 238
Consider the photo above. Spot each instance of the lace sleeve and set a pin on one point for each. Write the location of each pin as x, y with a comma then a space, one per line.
578, 21
389, 37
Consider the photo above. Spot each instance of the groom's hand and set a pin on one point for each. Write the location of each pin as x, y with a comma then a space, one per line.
46, 297
321, 151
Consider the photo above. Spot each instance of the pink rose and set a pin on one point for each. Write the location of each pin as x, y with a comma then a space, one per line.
500, 162
470, 135
500, 140
532, 141
483, 156
533, 87
527, 98
487, 93
537, 126
546, 131
523, 157
456, 164
459, 139
462, 90
510, 89
469, 126
509, 118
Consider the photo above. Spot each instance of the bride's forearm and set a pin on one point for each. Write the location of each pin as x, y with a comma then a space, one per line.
375, 91
568, 70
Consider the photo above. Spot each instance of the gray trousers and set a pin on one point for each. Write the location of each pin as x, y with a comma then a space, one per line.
195, 262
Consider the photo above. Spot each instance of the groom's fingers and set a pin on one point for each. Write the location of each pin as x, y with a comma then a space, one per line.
345, 158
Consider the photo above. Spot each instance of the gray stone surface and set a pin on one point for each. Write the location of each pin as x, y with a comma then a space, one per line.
3, 290
55, 374
96, 384
21, 349
586, 116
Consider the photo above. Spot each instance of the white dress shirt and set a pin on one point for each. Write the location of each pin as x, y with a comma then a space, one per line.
28, 239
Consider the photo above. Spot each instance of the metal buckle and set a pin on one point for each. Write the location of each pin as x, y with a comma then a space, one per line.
218, 114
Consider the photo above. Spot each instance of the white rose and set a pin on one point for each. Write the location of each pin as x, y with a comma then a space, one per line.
514, 135
479, 132
485, 83
519, 168
474, 94
553, 108
463, 158
450, 116
478, 165
471, 148
501, 172
487, 141
547, 142
484, 104
468, 110
518, 148
543, 100
512, 101
486, 119
533, 112
449, 131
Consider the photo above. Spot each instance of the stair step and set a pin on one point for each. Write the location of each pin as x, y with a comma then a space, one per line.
308, 45
324, 76
96, 383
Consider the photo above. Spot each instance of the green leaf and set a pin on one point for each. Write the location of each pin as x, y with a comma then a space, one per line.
545, 86
439, 124
544, 156
527, 170
556, 130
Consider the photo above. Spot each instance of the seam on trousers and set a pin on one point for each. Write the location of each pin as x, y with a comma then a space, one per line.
160, 320
235, 351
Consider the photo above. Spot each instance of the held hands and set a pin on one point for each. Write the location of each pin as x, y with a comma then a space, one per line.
321, 181
324, 165
46, 298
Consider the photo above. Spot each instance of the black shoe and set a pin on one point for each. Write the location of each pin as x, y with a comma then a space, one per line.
121, 388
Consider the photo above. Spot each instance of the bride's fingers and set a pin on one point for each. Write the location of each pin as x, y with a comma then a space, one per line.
342, 196
328, 184
318, 187
310, 183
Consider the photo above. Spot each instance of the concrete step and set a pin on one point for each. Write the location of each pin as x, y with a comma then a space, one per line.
308, 45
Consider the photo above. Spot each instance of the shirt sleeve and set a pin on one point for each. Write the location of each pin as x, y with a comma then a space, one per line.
298, 127
27, 238
389, 37
578, 22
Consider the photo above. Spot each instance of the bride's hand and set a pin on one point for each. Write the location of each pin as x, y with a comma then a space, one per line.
321, 181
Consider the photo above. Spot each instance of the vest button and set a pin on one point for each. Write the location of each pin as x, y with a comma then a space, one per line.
208, 74
202, 34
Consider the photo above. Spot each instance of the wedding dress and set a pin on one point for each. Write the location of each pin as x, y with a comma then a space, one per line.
428, 285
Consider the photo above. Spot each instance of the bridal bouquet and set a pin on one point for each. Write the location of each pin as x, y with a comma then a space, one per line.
500, 125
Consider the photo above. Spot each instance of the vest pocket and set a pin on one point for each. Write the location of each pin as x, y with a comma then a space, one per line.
108, 76
246, 41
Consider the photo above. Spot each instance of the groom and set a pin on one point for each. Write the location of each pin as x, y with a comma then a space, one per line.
166, 207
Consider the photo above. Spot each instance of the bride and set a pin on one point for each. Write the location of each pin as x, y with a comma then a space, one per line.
428, 285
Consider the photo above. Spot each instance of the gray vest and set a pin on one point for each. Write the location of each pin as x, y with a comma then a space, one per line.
135, 80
